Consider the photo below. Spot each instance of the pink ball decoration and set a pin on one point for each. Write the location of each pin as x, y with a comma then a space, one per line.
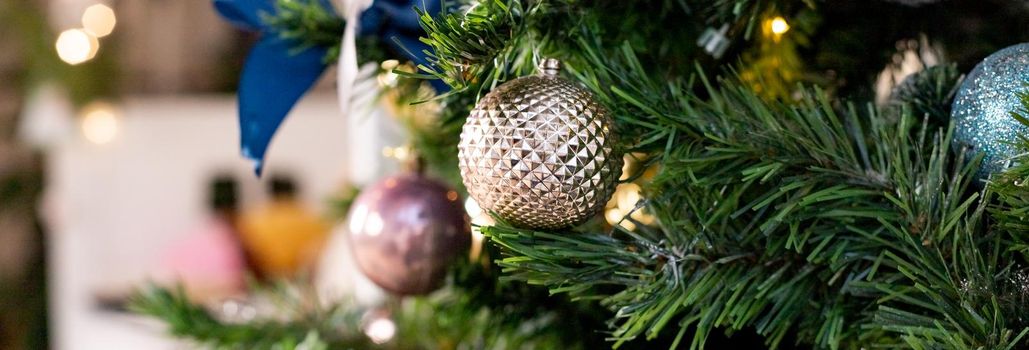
405, 231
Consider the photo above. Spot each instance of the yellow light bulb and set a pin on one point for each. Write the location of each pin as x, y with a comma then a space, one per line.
613, 215
779, 26
627, 195
99, 20
75, 46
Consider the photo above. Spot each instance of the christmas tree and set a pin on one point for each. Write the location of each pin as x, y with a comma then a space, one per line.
785, 200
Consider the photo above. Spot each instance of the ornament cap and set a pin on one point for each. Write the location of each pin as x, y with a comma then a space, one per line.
415, 163
550, 67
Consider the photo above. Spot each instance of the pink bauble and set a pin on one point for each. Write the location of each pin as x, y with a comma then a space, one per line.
405, 231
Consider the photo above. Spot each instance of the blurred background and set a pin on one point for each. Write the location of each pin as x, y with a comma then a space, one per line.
119, 165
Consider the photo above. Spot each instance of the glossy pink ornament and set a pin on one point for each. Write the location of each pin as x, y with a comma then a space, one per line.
406, 230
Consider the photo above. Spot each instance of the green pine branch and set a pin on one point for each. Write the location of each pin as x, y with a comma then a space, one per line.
778, 210
485, 43
308, 23
841, 226
929, 93
791, 210
476, 311
1011, 211
187, 319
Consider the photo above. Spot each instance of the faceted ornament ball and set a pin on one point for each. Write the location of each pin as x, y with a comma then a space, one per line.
539, 151
405, 231
983, 105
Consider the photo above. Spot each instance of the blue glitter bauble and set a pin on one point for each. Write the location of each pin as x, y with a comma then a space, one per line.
983, 105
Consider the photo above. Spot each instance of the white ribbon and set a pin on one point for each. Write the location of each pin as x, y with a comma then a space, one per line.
347, 70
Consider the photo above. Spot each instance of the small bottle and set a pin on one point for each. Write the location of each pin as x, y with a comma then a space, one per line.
283, 237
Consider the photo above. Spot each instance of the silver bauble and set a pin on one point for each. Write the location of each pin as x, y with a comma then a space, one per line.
539, 151
982, 108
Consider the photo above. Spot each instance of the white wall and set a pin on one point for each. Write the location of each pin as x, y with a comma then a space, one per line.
112, 208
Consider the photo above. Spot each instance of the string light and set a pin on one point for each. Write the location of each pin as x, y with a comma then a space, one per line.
627, 195
75, 46
99, 123
624, 202
779, 26
99, 20
614, 217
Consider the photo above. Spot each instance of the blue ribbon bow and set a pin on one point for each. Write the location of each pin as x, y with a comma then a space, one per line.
275, 76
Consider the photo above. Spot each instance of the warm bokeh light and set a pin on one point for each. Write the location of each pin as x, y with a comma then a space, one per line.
75, 46
472, 208
398, 153
624, 202
99, 123
99, 20
380, 330
613, 215
779, 26
627, 195
476, 214
238, 311
478, 218
476, 248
